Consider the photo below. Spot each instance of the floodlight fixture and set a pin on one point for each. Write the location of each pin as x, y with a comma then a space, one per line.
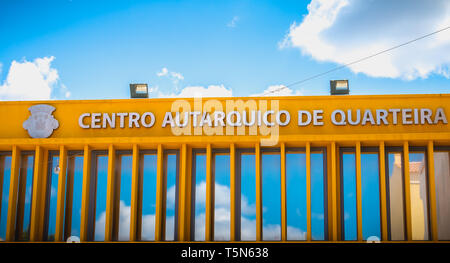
339, 87
138, 91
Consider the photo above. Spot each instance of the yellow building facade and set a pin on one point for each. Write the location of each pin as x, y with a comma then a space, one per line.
413, 198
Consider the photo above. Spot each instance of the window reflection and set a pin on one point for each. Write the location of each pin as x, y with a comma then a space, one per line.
52, 192
296, 196
149, 171
370, 195
200, 196
248, 197
125, 196
100, 200
419, 193
271, 196
222, 197
396, 201
318, 201
442, 184
74, 195
24, 197
171, 165
348, 170
5, 177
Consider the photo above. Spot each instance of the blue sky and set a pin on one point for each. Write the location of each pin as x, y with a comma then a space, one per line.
94, 49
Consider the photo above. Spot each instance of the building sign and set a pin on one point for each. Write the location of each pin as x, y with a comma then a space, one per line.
339, 117
261, 117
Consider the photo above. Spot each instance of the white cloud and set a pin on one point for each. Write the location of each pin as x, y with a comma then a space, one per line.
174, 76
164, 72
31, 80
233, 22
222, 217
148, 225
319, 216
171, 196
278, 90
65, 91
222, 226
248, 229
247, 209
294, 233
343, 31
124, 221
196, 91
100, 225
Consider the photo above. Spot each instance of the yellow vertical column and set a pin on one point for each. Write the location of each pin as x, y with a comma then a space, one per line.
13, 192
339, 210
43, 195
110, 193
182, 195
382, 169
60, 201
209, 209
432, 191
134, 218
407, 191
38, 194
283, 192
85, 195
358, 192
329, 195
188, 194
258, 194
185, 193
160, 196
233, 230
334, 193
308, 192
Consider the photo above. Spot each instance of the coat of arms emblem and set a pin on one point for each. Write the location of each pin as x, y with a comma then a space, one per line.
41, 123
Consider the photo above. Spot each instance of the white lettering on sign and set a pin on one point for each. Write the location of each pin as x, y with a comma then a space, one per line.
268, 118
108, 120
221, 119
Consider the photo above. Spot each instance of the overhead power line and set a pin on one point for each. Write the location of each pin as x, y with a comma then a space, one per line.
354, 62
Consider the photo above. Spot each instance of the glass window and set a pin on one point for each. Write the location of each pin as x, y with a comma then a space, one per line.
318, 201
419, 195
149, 162
25, 196
172, 192
396, 200
442, 184
222, 197
271, 196
370, 195
200, 196
125, 196
100, 200
248, 197
296, 196
348, 185
5, 177
74, 195
52, 192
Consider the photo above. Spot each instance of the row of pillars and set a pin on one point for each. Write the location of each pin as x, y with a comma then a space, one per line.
184, 217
